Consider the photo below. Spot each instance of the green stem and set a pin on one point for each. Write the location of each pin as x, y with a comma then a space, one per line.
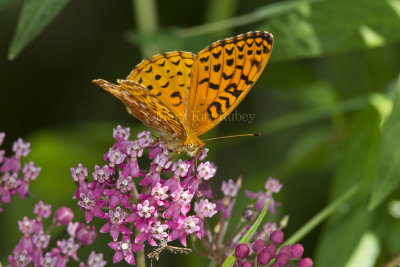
321, 216
140, 257
145, 12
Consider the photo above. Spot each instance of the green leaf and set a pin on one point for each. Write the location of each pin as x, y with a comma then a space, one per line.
246, 238
357, 166
366, 252
328, 27
387, 178
35, 16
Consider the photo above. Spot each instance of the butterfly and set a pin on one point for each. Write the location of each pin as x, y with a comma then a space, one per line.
182, 95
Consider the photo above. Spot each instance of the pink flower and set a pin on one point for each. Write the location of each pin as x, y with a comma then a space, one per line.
96, 260
68, 247
31, 171
91, 205
121, 134
102, 175
181, 168
206, 170
181, 204
124, 250
21, 148
158, 230
121, 192
135, 149
204, 208
230, 188
42, 210
272, 186
115, 156
159, 194
79, 174
144, 209
145, 139
182, 227
115, 223
20, 259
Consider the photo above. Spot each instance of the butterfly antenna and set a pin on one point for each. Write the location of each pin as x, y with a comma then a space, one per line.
231, 136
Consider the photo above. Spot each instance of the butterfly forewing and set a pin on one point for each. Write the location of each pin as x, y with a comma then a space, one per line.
167, 76
222, 75
146, 107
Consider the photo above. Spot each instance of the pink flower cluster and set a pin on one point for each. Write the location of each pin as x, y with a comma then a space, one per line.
157, 201
12, 181
32, 250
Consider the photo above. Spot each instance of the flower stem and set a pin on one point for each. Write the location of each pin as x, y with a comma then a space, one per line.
145, 12
140, 257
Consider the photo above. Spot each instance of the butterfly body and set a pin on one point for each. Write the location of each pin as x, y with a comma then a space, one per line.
182, 95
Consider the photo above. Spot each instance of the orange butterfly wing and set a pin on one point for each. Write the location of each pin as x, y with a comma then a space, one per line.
167, 76
146, 107
223, 73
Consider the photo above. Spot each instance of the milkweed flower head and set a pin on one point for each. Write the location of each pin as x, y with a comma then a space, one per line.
33, 248
13, 178
146, 196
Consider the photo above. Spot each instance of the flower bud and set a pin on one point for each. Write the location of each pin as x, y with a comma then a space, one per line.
263, 258
306, 262
297, 251
242, 251
258, 246
246, 264
86, 234
276, 237
63, 216
282, 259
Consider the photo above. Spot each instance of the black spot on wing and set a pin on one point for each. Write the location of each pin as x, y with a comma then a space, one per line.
217, 67
216, 55
229, 51
213, 86
176, 63
204, 81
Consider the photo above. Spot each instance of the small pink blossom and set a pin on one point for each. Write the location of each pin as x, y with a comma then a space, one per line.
121, 133
124, 250
102, 175
42, 210
206, 170
204, 208
31, 171
115, 156
79, 174
21, 148
145, 210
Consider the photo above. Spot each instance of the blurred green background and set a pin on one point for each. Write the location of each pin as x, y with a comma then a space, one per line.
327, 107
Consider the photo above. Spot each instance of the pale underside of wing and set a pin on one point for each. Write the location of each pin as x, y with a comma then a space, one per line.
146, 107
167, 76
222, 75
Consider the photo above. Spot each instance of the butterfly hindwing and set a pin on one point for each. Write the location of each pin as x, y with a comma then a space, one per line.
222, 75
142, 104
167, 76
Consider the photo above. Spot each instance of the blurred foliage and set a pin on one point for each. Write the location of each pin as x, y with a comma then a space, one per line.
327, 107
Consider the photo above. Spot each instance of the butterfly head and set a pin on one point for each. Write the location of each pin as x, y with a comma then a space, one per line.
193, 146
